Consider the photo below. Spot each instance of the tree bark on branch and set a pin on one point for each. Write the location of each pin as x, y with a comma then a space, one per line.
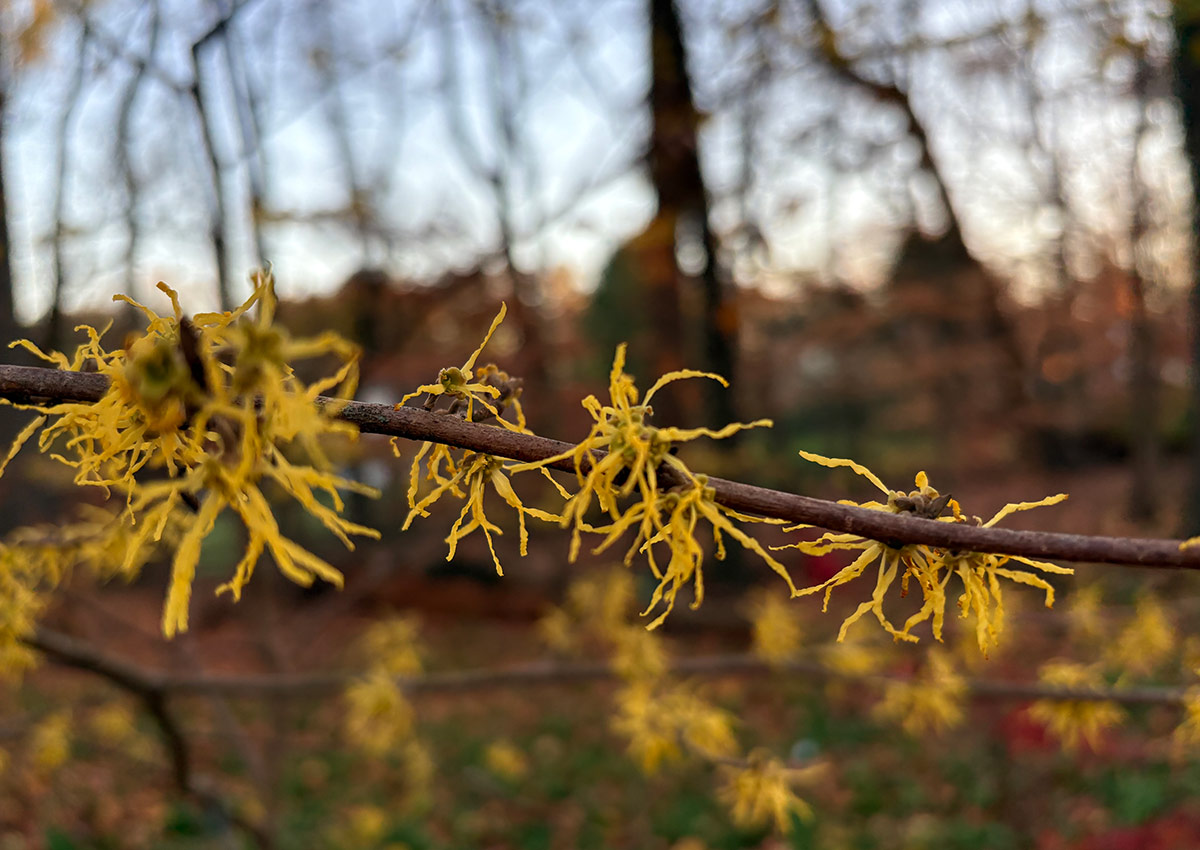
26, 384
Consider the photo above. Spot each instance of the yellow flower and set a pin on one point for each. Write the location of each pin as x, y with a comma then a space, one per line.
362, 826
114, 724
50, 742
775, 632
595, 614
634, 451
706, 729
506, 761
684, 507
653, 738
468, 478
638, 654
1145, 642
931, 701
418, 769
212, 401
556, 629
1085, 615
393, 646
379, 719
760, 792
604, 601
468, 475
854, 657
1187, 734
1075, 722
34, 559
932, 568
485, 386
21, 602
660, 724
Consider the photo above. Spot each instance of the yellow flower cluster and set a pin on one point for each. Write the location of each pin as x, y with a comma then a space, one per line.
50, 742
1145, 641
212, 411
1187, 733
931, 701
393, 646
505, 760
1075, 722
932, 568
467, 387
595, 617
627, 469
618, 467
477, 395
761, 792
34, 559
379, 719
664, 721
776, 635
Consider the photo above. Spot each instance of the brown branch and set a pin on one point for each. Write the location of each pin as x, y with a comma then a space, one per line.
153, 690
65, 650
26, 383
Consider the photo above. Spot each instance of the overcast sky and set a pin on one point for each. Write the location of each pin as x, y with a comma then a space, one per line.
420, 88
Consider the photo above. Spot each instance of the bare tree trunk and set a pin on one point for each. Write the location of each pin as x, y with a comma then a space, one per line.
219, 217
246, 104
1187, 80
8, 317
682, 200
1143, 362
71, 103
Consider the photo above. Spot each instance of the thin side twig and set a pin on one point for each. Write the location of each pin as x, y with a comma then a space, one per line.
153, 690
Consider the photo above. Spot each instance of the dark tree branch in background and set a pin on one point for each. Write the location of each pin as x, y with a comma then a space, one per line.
683, 205
25, 383
69, 652
1187, 90
1143, 395
249, 122
8, 316
219, 215
153, 693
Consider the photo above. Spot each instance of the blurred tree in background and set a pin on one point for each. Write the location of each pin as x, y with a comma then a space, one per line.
923, 233
971, 169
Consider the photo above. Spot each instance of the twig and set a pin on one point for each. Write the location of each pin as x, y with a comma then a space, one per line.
26, 383
153, 690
